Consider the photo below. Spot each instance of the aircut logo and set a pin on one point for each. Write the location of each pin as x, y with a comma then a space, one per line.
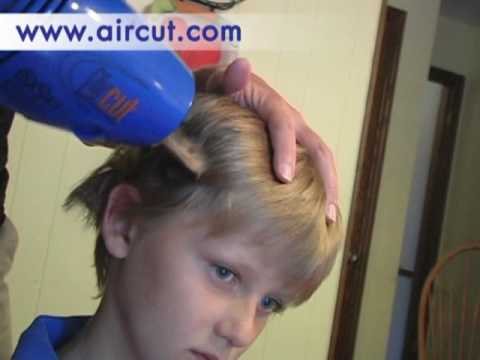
108, 98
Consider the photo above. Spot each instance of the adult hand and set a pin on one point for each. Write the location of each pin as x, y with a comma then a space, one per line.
285, 124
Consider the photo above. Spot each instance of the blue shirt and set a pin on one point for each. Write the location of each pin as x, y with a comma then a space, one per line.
46, 335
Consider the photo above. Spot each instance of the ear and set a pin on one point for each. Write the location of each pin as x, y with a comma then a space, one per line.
118, 226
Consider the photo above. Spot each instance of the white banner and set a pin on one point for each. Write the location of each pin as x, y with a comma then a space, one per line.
95, 31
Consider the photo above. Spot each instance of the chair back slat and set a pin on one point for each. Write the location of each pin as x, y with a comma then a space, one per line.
449, 314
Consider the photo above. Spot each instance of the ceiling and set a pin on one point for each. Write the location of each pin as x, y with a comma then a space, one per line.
467, 11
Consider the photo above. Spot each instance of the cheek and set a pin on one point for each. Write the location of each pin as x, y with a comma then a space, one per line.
177, 288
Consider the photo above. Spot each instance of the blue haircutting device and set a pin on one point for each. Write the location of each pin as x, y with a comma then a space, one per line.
130, 97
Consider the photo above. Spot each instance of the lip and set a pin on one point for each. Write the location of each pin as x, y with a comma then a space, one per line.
204, 355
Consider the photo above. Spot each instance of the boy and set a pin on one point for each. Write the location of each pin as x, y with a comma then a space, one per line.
197, 245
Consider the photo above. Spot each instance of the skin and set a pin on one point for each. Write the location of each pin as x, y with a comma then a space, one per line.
174, 291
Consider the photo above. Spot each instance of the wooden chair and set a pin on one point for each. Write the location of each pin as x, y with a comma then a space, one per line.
449, 314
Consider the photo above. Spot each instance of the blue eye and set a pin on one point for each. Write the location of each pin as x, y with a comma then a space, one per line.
224, 273
272, 305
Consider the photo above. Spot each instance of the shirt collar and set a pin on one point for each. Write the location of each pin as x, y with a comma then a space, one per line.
46, 334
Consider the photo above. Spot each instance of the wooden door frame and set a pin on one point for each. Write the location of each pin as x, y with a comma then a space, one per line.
367, 182
435, 196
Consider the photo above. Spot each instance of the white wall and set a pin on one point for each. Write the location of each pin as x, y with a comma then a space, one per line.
53, 273
434, 103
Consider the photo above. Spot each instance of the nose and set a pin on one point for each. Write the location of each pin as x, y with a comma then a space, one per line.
240, 325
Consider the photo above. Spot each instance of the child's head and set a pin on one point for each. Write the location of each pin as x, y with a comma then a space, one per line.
198, 242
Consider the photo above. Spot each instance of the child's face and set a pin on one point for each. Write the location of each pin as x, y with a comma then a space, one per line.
184, 293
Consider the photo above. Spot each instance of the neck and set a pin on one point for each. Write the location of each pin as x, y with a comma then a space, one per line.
102, 337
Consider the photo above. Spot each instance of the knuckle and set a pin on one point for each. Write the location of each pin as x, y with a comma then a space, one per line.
318, 145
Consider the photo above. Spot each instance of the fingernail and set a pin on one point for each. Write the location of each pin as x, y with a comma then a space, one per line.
332, 213
286, 172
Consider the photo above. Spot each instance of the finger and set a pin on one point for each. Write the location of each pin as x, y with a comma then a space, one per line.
231, 79
324, 161
282, 135
236, 76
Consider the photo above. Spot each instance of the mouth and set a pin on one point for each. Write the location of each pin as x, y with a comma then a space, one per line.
204, 355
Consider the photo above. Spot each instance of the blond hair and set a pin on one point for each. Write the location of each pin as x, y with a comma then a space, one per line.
219, 163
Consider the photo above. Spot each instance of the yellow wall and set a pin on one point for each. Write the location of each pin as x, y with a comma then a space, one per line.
457, 49
328, 82
388, 232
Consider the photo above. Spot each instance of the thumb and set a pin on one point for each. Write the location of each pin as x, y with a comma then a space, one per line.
232, 79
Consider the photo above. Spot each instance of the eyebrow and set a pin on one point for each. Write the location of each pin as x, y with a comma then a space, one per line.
286, 296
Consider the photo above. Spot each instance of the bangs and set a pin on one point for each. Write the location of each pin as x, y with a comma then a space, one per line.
302, 260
